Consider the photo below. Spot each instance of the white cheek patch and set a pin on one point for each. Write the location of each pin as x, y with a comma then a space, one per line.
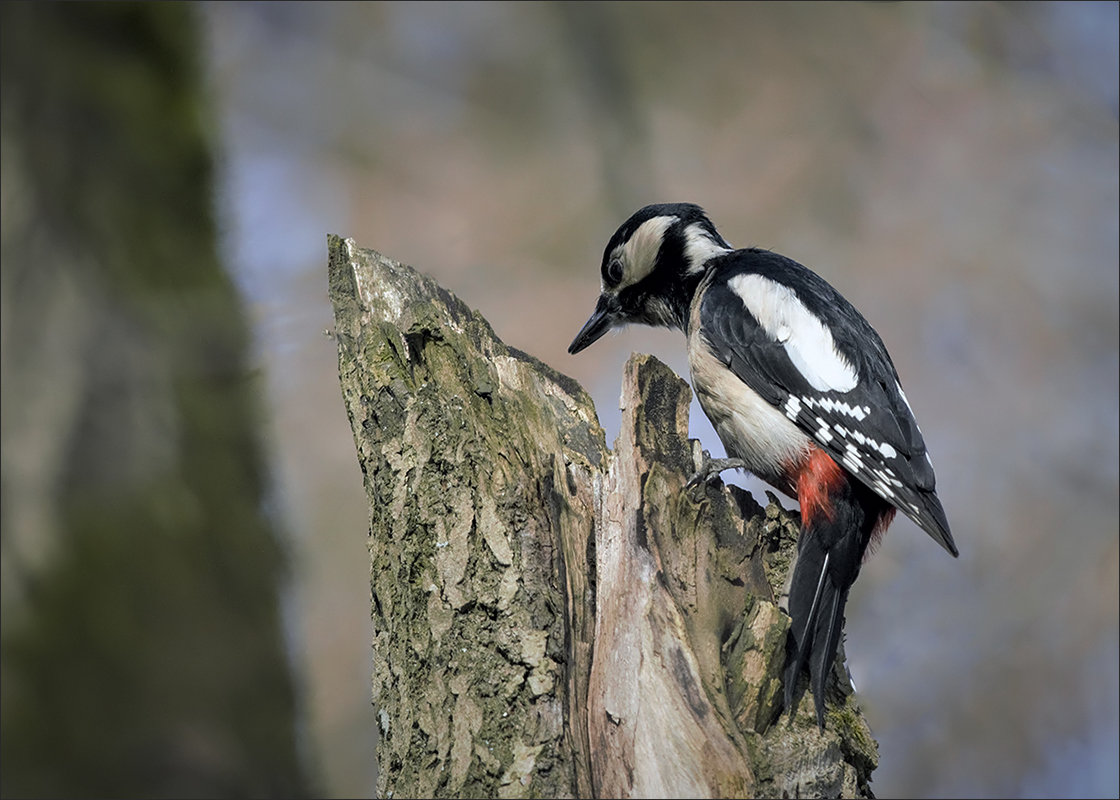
699, 247
639, 252
808, 343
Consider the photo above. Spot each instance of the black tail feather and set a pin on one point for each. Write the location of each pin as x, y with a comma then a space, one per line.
803, 626
828, 561
820, 663
818, 619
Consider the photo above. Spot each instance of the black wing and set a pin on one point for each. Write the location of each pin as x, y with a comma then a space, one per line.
869, 428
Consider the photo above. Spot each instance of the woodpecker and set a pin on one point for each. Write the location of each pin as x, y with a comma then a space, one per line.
801, 391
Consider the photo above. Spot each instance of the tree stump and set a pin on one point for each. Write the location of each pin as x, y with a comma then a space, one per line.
553, 618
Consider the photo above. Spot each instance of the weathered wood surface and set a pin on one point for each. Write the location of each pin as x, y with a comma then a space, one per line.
553, 618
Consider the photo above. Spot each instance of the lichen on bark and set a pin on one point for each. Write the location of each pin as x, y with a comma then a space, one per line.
475, 457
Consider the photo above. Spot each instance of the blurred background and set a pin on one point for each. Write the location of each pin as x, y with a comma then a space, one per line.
952, 168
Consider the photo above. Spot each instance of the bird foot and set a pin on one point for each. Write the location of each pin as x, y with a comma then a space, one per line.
710, 468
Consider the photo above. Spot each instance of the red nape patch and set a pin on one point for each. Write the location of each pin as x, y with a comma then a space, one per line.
817, 478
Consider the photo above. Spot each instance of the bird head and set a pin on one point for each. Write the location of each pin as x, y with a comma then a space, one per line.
651, 267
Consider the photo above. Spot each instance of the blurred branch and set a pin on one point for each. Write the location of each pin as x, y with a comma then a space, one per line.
142, 646
551, 618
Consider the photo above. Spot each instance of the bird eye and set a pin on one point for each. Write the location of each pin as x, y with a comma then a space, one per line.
613, 272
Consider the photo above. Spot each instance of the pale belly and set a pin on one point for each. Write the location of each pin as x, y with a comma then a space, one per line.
749, 427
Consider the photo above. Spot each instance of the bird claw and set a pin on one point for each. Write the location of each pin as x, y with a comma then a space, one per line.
710, 469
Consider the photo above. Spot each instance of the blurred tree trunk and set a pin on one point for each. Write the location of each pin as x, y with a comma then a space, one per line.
142, 647
553, 619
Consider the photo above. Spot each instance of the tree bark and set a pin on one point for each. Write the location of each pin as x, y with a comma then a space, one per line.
554, 619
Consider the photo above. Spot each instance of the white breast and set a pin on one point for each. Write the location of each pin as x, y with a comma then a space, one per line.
749, 427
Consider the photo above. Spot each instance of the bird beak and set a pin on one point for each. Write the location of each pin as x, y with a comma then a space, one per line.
602, 320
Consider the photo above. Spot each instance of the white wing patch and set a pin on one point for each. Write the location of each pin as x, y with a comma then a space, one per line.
808, 343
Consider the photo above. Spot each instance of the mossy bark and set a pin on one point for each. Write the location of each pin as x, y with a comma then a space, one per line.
554, 619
